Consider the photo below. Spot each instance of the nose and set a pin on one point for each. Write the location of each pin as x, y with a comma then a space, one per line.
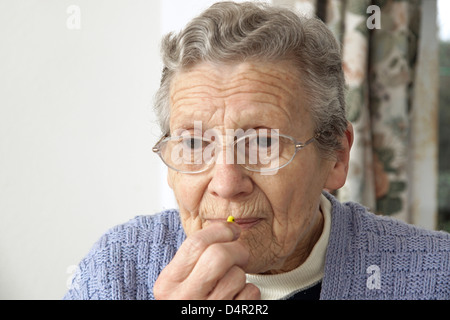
230, 181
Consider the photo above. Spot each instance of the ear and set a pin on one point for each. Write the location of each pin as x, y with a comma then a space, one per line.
338, 173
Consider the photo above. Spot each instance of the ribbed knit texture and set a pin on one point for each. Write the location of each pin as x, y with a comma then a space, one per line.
413, 263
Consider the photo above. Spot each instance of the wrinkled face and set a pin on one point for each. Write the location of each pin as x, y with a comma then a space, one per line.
276, 212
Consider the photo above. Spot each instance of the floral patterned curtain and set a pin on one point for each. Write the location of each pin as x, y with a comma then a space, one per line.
380, 54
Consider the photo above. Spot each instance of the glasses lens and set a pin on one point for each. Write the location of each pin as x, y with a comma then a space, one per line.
264, 152
187, 153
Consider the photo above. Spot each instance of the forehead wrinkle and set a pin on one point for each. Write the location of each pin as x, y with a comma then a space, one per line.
278, 100
193, 94
217, 93
262, 78
216, 89
185, 117
188, 80
264, 100
234, 107
261, 111
215, 83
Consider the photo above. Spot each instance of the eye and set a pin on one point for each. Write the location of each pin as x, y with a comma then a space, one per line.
266, 141
191, 143
194, 143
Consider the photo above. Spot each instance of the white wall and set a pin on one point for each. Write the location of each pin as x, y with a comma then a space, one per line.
76, 130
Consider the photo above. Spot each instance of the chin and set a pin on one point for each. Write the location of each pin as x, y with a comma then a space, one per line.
261, 258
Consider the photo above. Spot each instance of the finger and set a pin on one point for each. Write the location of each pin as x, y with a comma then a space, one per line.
230, 285
213, 265
250, 292
194, 246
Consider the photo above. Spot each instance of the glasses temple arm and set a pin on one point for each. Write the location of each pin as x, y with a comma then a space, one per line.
156, 147
302, 145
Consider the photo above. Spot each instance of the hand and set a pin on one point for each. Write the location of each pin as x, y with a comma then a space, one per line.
208, 265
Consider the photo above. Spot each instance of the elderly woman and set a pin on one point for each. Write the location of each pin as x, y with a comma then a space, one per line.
252, 110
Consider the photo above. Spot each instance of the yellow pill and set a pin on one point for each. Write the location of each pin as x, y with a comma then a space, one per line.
230, 219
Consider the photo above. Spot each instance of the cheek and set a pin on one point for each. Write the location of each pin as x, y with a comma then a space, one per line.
187, 191
294, 197
281, 191
188, 194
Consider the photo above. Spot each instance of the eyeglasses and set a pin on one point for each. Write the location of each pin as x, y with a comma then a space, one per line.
260, 151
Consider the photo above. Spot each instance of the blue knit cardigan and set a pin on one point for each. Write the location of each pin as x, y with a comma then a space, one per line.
368, 257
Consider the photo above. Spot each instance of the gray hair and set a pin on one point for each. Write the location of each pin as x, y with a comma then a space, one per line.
234, 32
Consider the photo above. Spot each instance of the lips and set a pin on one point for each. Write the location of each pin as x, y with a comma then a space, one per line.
244, 223
247, 223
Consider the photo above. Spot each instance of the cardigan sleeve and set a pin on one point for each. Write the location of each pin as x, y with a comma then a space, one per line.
126, 261
89, 281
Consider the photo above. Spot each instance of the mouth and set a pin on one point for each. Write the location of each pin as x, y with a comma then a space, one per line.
245, 223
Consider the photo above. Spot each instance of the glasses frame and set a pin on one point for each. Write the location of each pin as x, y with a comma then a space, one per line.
298, 146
